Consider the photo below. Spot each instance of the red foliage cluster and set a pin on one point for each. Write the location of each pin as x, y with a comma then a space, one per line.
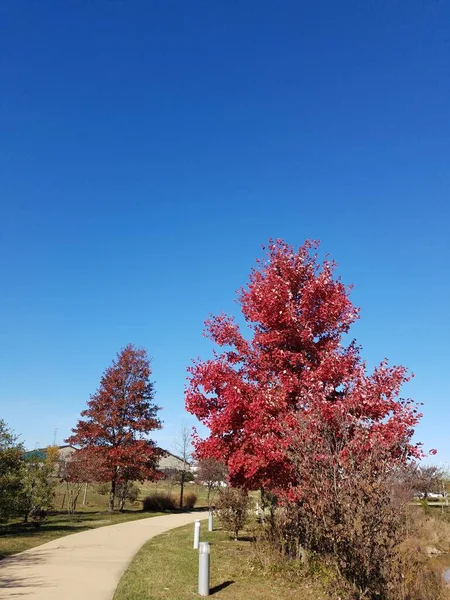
295, 379
82, 467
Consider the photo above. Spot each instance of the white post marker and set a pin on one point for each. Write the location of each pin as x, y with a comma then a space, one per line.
196, 534
203, 569
210, 521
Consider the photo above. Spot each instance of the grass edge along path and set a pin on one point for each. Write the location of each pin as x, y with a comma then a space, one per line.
166, 568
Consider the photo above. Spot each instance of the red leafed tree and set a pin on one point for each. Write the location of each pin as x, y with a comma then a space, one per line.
266, 395
76, 472
113, 429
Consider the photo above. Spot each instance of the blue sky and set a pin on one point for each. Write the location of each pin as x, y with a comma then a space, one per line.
148, 150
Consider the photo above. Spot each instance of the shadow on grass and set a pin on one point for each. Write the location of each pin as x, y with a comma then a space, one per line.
246, 538
221, 586
39, 531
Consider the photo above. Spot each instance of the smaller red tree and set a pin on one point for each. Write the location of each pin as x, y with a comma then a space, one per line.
211, 473
120, 415
79, 470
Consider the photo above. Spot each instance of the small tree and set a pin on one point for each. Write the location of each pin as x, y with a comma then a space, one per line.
127, 491
76, 472
39, 484
232, 506
119, 417
211, 473
426, 479
11, 472
183, 446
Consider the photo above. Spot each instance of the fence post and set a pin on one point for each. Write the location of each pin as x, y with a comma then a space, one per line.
196, 534
210, 521
203, 569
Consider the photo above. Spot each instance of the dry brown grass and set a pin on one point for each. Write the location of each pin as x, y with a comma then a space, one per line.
423, 557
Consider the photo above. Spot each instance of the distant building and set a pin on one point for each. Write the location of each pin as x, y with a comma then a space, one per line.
64, 454
170, 463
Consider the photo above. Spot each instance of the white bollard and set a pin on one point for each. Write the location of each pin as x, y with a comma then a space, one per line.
210, 521
203, 569
196, 534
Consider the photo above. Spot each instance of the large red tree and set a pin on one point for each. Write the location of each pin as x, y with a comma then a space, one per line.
294, 379
113, 429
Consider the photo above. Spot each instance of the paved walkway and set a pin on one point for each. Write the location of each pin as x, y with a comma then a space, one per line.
82, 566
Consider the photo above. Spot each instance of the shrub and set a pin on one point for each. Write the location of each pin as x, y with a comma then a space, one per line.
11, 472
159, 502
127, 491
410, 573
103, 488
37, 516
231, 507
190, 500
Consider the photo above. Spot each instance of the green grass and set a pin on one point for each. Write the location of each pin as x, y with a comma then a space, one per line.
166, 569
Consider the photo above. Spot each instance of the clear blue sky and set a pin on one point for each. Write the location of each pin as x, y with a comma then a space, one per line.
148, 149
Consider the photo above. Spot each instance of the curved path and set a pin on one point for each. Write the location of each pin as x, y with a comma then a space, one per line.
82, 566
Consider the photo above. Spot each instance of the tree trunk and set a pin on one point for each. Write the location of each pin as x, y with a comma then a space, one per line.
112, 493
263, 505
182, 490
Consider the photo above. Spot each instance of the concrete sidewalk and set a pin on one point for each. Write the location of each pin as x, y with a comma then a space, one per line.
82, 566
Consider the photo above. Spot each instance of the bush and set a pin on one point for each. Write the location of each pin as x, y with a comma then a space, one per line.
414, 571
189, 500
37, 516
231, 507
127, 491
159, 502
103, 488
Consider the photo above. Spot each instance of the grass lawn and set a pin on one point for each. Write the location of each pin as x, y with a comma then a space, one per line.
166, 568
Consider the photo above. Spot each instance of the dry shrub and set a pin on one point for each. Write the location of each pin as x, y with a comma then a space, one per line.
276, 553
159, 503
232, 505
189, 500
409, 574
350, 509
